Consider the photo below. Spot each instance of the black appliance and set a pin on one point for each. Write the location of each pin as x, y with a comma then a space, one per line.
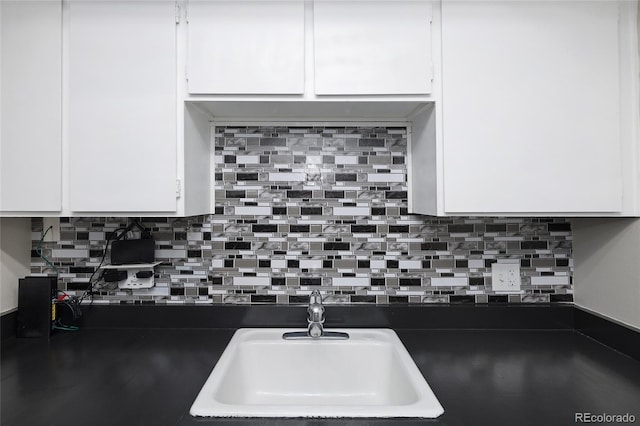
36, 296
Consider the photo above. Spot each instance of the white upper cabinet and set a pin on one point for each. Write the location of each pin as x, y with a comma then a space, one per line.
30, 92
245, 47
309, 48
372, 47
531, 107
122, 106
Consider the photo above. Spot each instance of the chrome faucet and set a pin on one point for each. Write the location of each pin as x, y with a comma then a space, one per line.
315, 318
315, 313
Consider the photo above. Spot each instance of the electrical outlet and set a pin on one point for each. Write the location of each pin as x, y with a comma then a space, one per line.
505, 277
54, 233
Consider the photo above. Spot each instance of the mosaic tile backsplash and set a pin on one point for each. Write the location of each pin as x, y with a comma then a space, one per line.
299, 208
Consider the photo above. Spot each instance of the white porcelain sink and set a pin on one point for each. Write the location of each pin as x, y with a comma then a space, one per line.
369, 375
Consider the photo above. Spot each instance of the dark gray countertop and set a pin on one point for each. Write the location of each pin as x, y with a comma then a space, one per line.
151, 377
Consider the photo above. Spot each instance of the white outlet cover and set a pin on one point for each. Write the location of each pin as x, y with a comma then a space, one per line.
505, 277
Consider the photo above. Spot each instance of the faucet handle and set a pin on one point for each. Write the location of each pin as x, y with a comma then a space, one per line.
315, 298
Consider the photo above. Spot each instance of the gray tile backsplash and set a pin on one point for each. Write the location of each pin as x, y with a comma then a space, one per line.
299, 208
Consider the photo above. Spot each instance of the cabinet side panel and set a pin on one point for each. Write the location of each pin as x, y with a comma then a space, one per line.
531, 103
31, 93
198, 178
422, 164
122, 116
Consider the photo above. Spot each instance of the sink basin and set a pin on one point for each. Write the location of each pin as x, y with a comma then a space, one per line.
369, 375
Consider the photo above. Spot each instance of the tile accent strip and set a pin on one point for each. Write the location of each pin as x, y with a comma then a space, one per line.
299, 208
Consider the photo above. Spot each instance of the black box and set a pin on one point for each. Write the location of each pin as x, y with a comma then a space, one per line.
35, 298
125, 252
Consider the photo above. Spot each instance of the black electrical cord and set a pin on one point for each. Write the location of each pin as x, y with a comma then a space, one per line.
39, 251
72, 303
89, 291
144, 233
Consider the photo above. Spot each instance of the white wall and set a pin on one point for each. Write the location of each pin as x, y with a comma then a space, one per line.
606, 257
15, 257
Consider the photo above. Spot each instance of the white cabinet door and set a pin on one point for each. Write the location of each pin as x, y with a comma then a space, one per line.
531, 104
31, 90
372, 47
122, 106
246, 47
